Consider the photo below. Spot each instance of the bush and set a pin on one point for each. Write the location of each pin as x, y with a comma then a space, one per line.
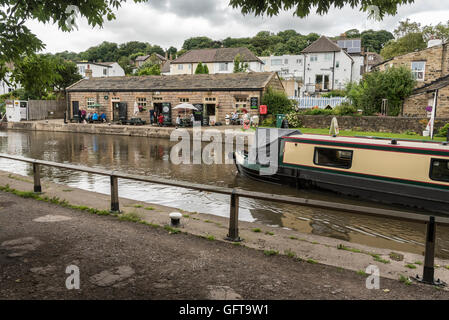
345, 109
268, 122
318, 112
277, 102
443, 131
293, 120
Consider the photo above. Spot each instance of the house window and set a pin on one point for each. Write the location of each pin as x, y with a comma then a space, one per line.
285, 61
276, 62
299, 61
157, 98
419, 70
223, 66
371, 58
142, 102
313, 58
439, 170
337, 64
328, 56
210, 99
184, 99
105, 72
82, 69
90, 102
241, 100
333, 158
180, 66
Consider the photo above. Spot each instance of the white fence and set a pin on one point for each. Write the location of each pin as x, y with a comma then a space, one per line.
322, 103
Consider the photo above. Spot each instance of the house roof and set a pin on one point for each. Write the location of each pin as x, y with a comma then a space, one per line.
216, 55
195, 82
103, 64
144, 58
323, 44
435, 85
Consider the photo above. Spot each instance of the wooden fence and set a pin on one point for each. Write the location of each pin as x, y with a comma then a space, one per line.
46, 109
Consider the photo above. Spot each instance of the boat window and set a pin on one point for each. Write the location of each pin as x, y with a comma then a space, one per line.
333, 158
439, 170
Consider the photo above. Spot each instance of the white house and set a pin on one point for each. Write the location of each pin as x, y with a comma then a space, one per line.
219, 60
100, 69
8, 85
287, 66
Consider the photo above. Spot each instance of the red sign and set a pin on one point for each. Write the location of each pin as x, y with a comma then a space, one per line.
263, 109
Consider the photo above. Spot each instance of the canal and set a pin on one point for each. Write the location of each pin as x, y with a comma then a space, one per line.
151, 157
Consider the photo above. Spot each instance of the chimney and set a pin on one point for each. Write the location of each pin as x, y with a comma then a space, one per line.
171, 57
166, 55
88, 72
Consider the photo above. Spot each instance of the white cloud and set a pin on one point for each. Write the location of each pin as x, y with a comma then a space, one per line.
169, 22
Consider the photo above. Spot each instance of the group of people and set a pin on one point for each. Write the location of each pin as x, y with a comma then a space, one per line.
85, 117
178, 120
246, 119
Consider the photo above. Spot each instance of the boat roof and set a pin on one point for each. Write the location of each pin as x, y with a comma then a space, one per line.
374, 141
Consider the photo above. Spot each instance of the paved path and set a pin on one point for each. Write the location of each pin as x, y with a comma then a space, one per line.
126, 260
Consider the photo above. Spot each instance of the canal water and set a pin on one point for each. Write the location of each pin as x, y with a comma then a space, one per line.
151, 157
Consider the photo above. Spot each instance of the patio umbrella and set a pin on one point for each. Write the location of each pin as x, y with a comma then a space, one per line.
185, 106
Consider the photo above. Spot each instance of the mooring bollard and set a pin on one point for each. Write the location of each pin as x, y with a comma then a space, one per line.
429, 256
114, 195
37, 178
233, 234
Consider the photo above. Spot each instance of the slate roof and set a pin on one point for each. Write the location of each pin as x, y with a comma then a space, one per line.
195, 82
435, 85
323, 44
216, 55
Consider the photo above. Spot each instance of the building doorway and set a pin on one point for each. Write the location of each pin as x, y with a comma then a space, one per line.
75, 110
163, 108
119, 111
322, 82
210, 114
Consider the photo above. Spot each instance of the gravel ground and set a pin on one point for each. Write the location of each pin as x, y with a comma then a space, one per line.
126, 260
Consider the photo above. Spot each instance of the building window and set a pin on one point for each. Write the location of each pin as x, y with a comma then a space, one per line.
105, 72
82, 70
337, 64
333, 158
180, 66
223, 66
299, 61
142, 102
157, 98
184, 99
90, 102
439, 170
371, 58
313, 58
210, 99
276, 62
285, 61
419, 70
328, 56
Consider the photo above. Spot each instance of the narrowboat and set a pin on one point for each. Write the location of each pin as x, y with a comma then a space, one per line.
393, 171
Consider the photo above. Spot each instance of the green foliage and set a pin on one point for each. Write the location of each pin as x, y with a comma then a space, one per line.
200, 43
443, 131
408, 43
374, 41
303, 8
269, 122
345, 109
318, 112
239, 65
201, 69
394, 84
277, 102
154, 70
293, 120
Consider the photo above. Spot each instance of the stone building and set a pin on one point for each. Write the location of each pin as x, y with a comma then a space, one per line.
430, 68
215, 95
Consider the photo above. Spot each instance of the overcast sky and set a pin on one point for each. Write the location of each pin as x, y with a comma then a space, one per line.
169, 22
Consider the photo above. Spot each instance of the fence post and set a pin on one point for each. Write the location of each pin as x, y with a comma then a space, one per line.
233, 234
114, 195
429, 256
37, 178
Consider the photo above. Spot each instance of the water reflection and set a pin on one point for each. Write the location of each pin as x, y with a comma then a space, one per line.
150, 157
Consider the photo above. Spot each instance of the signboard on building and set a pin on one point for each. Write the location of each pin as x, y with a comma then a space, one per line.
254, 101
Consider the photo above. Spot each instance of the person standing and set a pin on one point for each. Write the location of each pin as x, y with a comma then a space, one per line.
178, 121
161, 120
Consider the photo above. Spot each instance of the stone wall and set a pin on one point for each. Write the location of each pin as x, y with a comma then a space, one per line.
373, 124
416, 105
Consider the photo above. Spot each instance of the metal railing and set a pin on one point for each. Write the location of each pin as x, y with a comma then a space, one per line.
235, 194
322, 103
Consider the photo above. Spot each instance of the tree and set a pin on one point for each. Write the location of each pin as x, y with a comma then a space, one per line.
409, 43
68, 72
17, 41
239, 65
353, 33
375, 40
406, 27
394, 84
198, 43
302, 8
205, 69
37, 74
154, 70
440, 31
171, 52
199, 68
